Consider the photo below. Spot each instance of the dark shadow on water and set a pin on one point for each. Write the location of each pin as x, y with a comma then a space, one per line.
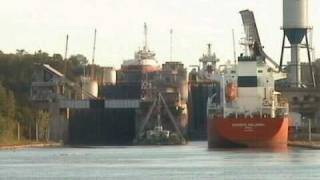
122, 146
99, 146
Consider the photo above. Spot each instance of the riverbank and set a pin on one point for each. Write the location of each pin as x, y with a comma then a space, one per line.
30, 145
305, 144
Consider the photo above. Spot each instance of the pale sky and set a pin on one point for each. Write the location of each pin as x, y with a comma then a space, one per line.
43, 24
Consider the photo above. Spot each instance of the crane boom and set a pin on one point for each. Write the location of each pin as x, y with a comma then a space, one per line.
251, 31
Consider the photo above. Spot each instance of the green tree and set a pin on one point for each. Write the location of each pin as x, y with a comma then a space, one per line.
7, 114
16, 70
42, 123
10, 107
25, 118
3, 98
2, 125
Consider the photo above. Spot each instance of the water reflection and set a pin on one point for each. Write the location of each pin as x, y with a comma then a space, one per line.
193, 161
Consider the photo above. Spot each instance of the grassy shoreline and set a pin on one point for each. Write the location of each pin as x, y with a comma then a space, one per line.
30, 144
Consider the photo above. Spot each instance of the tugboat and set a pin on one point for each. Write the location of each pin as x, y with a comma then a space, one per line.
158, 135
244, 109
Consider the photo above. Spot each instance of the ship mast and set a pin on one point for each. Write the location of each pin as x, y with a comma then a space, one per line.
209, 50
145, 36
92, 74
234, 47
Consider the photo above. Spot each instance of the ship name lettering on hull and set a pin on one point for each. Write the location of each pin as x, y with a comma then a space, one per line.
248, 125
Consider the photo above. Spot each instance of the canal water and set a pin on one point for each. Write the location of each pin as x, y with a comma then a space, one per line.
193, 161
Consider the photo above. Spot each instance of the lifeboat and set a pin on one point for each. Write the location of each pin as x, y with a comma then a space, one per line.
231, 92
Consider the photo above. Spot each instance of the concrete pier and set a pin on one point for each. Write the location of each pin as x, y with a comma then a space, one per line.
305, 144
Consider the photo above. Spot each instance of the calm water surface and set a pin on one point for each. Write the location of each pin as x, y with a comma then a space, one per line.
193, 161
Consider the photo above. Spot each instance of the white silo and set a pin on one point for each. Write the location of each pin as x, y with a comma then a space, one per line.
109, 75
295, 26
296, 14
89, 88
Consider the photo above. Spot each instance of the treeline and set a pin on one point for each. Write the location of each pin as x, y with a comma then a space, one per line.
17, 118
7, 114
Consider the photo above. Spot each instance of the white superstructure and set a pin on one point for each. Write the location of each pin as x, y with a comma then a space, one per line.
109, 75
144, 57
207, 68
246, 89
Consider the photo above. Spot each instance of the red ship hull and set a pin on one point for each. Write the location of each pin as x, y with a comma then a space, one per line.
248, 132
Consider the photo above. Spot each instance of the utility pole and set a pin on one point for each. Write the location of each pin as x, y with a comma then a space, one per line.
48, 134
171, 44
93, 55
37, 130
18, 128
66, 55
310, 138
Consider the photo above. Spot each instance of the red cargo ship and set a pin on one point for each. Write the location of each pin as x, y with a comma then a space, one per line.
244, 110
248, 132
